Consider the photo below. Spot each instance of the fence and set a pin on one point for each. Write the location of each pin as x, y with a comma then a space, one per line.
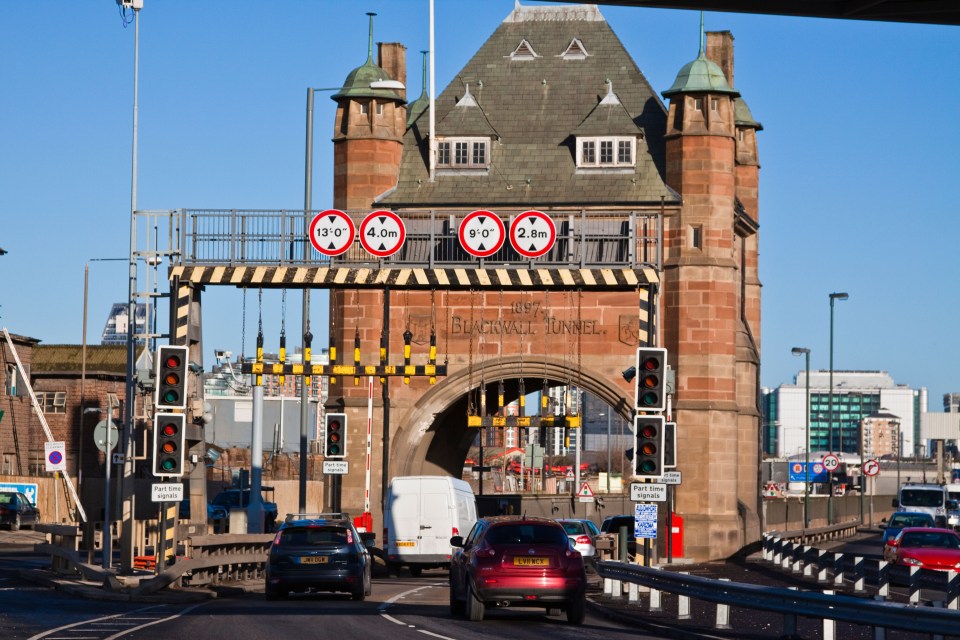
878, 614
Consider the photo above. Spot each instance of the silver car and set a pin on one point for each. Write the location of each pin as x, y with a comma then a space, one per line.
582, 534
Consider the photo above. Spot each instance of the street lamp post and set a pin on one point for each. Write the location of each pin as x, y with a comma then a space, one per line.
862, 482
806, 456
833, 297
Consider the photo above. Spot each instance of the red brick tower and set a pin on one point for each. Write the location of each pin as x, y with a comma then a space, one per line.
705, 296
369, 126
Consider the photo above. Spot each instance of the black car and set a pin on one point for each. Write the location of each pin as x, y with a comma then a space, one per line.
613, 524
318, 552
17, 511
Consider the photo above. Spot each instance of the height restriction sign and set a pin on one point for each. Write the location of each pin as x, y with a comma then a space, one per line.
331, 232
533, 233
382, 233
482, 234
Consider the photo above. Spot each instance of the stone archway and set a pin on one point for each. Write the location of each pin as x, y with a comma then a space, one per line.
432, 436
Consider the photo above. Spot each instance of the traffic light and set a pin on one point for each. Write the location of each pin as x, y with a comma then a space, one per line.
648, 452
168, 444
171, 378
651, 379
335, 435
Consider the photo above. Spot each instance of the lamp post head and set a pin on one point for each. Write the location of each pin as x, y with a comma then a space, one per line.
799, 351
839, 296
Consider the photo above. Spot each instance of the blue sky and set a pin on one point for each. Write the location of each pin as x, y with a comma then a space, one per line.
859, 178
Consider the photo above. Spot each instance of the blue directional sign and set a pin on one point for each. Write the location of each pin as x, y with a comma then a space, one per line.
645, 521
817, 472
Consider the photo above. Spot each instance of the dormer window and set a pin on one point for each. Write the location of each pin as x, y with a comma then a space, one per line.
603, 152
575, 51
463, 153
524, 51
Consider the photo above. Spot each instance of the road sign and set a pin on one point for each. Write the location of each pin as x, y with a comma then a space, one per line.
55, 453
481, 234
871, 467
532, 233
105, 435
648, 492
336, 467
671, 477
797, 473
645, 521
119, 458
382, 233
585, 493
166, 492
331, 232
831, 462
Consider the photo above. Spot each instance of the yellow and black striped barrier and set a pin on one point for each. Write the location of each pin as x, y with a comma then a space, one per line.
567, 422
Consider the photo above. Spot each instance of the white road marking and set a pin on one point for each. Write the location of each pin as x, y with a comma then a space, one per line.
400, 596
111, 623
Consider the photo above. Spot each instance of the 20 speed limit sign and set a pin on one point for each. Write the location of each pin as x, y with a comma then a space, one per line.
331, 232
831, 462
482, 234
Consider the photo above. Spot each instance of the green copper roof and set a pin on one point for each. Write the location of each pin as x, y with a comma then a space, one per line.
742, 116
700, 76
422, 103
357, 84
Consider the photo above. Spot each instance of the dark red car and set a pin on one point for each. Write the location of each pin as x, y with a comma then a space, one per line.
926, 547
511, 561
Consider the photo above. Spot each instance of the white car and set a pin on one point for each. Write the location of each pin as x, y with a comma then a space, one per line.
582, 534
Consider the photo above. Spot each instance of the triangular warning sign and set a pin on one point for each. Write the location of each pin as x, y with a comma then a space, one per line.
585, 491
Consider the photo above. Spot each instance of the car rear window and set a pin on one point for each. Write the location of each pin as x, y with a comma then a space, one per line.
315, 536
573, 528
932, 539
911, 521
527, 534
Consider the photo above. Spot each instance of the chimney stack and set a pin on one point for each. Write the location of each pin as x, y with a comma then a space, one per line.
393, 59
720, 51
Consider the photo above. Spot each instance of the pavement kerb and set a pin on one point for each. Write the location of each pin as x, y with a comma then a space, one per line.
93, 591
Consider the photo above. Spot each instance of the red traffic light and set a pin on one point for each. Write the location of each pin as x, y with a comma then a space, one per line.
172, 361
169, 429
650, 364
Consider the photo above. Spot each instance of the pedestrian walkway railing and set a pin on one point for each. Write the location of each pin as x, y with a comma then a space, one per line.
790, 603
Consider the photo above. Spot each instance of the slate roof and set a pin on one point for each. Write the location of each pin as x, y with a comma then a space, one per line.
535, 106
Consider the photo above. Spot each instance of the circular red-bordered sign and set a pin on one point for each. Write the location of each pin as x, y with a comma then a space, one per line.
871, 467
831, 462
382, 233
532, 233
332, 232
482, 233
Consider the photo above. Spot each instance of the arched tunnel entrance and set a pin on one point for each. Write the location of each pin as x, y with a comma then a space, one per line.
432, 437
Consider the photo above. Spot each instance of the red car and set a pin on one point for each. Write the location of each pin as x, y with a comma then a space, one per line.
926, 547
512, 561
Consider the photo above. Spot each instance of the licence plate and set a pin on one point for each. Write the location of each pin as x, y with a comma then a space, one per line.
314, 559
531, 562
406, 543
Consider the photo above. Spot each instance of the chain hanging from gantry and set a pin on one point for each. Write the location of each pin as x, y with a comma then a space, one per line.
407, 370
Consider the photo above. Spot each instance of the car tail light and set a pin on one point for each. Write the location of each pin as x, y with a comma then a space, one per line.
276, 538
349, 536
385, 538
583, 540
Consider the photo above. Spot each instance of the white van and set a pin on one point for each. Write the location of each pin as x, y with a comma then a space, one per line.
422, 514
924, 498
